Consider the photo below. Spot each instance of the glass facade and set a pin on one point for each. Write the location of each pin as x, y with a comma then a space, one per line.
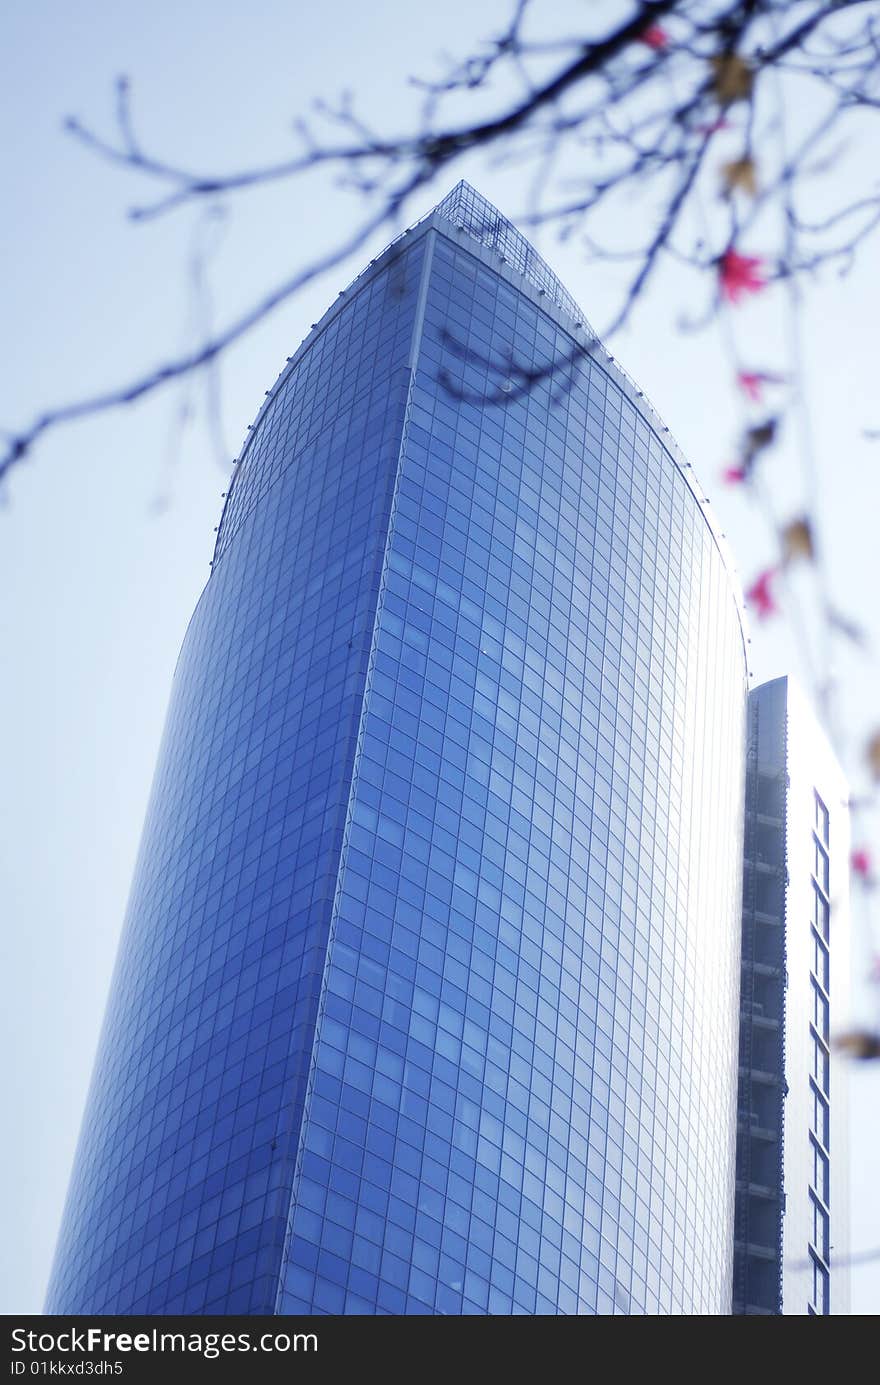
792, 1195
427, 999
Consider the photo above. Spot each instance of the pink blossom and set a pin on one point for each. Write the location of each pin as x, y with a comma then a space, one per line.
740, 274
860, 861
761, 596
751, 382
655, 36
733, 475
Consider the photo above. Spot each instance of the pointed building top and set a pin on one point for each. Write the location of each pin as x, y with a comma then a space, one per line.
466, 208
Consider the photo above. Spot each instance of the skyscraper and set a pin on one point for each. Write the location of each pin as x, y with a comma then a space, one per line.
427, 995
792, 1217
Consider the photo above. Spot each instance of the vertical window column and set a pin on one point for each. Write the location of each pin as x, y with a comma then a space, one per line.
820, 1074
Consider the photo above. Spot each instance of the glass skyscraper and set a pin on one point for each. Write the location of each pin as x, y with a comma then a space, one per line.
427, 995
792, 1214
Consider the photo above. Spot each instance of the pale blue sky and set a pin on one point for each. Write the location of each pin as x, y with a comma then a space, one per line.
98, 582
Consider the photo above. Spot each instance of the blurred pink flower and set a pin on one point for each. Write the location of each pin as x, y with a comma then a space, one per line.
655, 36
740, 274
760, 594
860, 861
733, 475
752, 382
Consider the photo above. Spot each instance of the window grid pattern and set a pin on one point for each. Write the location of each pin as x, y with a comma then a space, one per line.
464, 207
820, 1078
426, 998
313, 405
759, 1167
522, 1087
179, 1197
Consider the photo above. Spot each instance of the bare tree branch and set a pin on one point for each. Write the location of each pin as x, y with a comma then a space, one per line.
653, 141
19, 445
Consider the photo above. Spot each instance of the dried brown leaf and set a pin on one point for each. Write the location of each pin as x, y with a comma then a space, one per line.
732, 78
740, 174
797, 541
859, 1043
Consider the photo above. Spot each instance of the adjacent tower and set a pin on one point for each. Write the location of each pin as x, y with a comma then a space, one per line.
792, 1217
427, 995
